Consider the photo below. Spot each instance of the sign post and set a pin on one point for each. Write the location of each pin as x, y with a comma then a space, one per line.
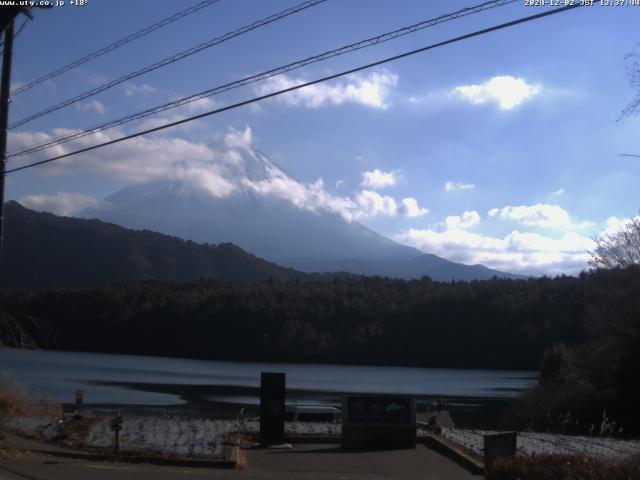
79, 394
116, 426
272, 397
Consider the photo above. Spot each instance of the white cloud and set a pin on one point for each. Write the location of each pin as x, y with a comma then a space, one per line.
615, 224
372, 204
311, 197
62, 203
139, 160
131, 89
411, 209
507, 91
466, 220
92, 105
378, 179
540, 215
371, 91
517, 252
217, 170
237, 138
558, 193
453, 186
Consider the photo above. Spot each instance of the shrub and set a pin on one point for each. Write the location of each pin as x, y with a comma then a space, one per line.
560, 466
14, 400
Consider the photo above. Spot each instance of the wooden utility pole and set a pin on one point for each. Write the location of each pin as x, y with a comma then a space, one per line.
5, 87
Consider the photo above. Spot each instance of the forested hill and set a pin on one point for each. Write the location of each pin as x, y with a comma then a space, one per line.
495, 323
44, 250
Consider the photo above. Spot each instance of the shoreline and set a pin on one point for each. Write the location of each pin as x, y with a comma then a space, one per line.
466, 412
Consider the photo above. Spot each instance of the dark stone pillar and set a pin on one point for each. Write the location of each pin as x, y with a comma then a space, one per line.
272, 395
499, 445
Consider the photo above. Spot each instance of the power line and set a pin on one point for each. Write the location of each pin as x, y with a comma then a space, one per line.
269, 73
114, 45
169, 60
303, 85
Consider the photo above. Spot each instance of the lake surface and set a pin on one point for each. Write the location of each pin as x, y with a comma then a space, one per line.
138, 380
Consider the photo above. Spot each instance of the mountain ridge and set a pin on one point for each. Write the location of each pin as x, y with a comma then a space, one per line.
43, 250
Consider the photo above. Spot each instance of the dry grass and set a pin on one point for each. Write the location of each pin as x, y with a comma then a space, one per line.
9, 454
561, 466
10, 404
15, 400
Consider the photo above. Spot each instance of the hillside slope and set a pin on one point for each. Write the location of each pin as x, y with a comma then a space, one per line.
43, 250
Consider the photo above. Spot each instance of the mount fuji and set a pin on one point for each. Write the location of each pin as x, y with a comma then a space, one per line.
262, 215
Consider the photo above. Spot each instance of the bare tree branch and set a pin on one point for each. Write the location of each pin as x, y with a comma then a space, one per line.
633, 72
618, 249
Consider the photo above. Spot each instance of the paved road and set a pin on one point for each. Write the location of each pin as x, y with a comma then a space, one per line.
303, 461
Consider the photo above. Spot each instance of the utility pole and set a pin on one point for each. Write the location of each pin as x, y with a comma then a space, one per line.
5, 86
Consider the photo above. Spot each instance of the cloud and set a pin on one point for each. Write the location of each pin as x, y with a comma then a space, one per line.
615, 224
378, 179
506, 91
62, 203
410, 208
139, 160
453, 186
131, 89
92, 105
517, 252
311, 197
540, 215
218, 170
466, 220
237, 138
372, 204
371, 91
558, 193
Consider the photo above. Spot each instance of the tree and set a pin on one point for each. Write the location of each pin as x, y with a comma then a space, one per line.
633, 71
619, 249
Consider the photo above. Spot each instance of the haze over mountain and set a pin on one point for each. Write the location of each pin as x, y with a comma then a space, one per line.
285, 229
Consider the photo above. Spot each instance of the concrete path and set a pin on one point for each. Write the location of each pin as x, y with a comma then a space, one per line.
303, 461
309, 461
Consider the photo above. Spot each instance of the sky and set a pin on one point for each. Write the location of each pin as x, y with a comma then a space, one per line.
503, 149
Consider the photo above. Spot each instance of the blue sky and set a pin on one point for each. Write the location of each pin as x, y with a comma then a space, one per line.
501, 150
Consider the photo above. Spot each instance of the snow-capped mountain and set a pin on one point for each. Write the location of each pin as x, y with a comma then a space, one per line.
272, 215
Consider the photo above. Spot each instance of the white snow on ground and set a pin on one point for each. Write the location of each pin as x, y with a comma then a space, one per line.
203, 437
197, 438
531, 442
46, 428
193, 437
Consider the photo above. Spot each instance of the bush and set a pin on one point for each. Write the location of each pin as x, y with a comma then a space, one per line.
14, 401
557, 466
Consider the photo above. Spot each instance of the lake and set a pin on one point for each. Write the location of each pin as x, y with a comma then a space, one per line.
140, 380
